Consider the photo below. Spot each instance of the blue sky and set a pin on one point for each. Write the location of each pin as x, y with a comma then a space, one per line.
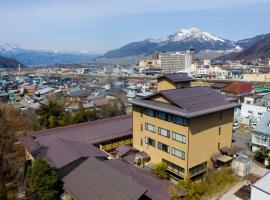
102, 25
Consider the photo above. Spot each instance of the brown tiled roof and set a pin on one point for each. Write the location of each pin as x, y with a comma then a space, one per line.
188, 102
157, 189
177, 77
243, 193
96, 180
63, 145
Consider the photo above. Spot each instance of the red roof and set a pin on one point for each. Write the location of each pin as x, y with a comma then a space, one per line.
238, 88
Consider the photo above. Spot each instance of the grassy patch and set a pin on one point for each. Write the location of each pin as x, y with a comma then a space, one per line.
213, 183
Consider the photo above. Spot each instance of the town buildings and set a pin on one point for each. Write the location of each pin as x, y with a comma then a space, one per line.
170, 125
172, 62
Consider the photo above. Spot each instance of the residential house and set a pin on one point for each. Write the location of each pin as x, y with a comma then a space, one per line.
261, 133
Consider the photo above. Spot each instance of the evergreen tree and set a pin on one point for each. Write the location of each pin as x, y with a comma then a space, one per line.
3, 190
43, 181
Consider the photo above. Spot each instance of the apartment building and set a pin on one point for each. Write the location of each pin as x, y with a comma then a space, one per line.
183, 127
172, 62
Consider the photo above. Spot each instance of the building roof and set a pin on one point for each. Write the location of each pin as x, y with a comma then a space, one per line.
157, 189
95, 179
75, 106
263, 126
188, 102
263, 184
243, 193
238, 88
80, 93
63, 145
218, 85
102, 102
44, 90
177, 77
123, 150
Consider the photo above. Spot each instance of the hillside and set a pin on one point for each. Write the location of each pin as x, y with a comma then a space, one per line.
9, 62
259, 49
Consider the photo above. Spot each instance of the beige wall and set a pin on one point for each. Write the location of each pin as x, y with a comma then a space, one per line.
165, 84
202, 137
160, 99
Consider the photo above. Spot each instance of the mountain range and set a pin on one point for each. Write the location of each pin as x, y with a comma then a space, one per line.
206, 45
180, 41
258, 49
43, 57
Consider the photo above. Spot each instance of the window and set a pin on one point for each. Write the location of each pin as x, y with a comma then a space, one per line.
141, 127
150, 127
219, 130
179, 137
166, 116
197, 169
178, 153
218, 145
250, 112
259, 113
175, 168
164, 132
248, 102
163, 147
150, 141
141, 112
141, 142
149, 112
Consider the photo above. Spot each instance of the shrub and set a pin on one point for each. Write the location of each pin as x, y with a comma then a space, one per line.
160, 170
261, 154
214, 182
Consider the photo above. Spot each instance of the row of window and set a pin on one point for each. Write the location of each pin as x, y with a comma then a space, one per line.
179, 170
173, 167
197, 169
166, 133
167, 117
164, 147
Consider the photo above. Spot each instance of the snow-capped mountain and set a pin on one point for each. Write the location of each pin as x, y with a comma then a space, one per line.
180, 41
45, 57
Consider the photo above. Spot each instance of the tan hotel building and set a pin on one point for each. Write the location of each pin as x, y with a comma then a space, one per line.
182, 127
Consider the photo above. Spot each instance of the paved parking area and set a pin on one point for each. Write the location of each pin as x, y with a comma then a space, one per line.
242, 139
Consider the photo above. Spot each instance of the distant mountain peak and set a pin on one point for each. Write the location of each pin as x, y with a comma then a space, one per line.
179, 41
194, 33
9, 47
187, 35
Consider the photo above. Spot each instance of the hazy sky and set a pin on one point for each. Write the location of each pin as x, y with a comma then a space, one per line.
100, 25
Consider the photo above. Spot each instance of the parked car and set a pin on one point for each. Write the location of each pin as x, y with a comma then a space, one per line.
236, 126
